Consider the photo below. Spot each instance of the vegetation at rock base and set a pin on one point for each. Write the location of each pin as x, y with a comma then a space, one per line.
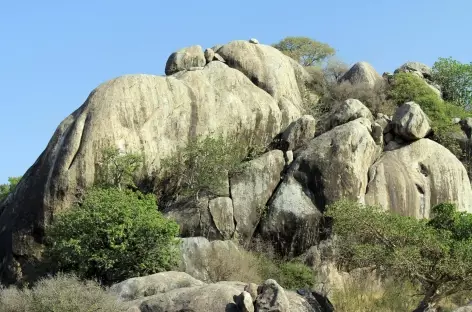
455, 79
254, 266
6, 189
112, 235
434, 254
306, 51
59, 293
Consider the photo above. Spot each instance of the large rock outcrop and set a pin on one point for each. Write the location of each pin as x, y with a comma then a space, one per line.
361, 73
413, 178
156, 116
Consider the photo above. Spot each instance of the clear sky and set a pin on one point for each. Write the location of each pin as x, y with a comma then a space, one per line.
53, 53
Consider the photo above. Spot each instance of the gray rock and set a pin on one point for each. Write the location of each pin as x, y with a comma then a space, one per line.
193, 217
163, 123
208, 298
361, 73
384, 122
244, 302
251, 189
288, 157
139, 287
195, 252
410, 122
271, 298
209, 55
466, 126
348, 110
185, 59
271, 70
335, 164
219, 58
455, 120
413, 178
253, 40
292, 219
377, 133
463, 309
251, 288
298, 133
221, 210
422, 70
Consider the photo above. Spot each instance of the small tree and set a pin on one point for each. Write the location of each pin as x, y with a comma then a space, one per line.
117, 169
455, 79
436, 253
112, 235
6, 189
306, 51
204, 164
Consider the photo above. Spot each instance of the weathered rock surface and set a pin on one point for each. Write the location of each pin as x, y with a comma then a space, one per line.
209, 55
361, 73
139, 287
211, 298
292, 220
346, 111
184, 59
410, 122
197, 250
298, 133
413, 178
221, 210
464, 309
335, 164
137, 113
271, 297
272, 71
251, 189
244, 302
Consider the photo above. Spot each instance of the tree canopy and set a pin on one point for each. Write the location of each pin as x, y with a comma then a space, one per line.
455, 79
435, 254
5, 189
306, 51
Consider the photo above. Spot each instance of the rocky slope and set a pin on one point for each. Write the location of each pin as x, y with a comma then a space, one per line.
254, 92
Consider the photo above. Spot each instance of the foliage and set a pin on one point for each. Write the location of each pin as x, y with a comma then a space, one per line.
455, 79
6, 189
254, 267
334, 69
117, 169
436, 253
306, 51
58, 294
204, 163
361, 296
112, 235
408, 87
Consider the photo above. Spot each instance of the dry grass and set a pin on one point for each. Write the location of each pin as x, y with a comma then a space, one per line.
58, 294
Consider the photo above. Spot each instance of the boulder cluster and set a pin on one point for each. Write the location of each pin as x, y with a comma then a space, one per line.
250, 90
178, 292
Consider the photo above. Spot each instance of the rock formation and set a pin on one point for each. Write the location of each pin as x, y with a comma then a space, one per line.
255, 93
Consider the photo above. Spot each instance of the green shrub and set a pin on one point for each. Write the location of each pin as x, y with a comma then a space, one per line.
455, 79
434, 254
59, 294
203, 165
112, 235
6, 189
295, 275
117, 169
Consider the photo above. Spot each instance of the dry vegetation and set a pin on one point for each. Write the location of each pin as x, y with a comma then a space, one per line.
58, 294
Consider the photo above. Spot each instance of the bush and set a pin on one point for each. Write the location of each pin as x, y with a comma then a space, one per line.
112, 235
434, 254
6, 189
255, 267
203, 165
58, 294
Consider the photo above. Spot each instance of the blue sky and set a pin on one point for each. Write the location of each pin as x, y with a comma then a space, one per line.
53, 53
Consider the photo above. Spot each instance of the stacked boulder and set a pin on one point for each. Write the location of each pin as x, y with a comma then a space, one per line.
421, 70
177, 292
